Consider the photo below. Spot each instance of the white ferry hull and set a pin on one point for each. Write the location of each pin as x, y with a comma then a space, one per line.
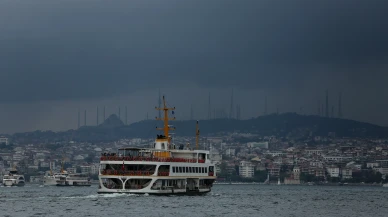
12, 182
155, 192
8, 183
49, 181
74, 182
151, 189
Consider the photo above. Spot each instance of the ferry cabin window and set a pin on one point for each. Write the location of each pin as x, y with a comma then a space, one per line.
187, 169
205, 169
173, 169
180, 169
196, 170
190, 169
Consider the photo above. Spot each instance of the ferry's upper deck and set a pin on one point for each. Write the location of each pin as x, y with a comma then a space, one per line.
158, 155
163, 149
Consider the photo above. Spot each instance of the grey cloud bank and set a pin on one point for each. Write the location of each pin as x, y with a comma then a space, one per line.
74, 51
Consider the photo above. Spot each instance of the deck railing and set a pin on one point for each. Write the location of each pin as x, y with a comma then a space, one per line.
132, 173
152, 159
163, 173
126, 173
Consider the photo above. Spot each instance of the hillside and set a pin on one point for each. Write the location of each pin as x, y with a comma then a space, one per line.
284, 124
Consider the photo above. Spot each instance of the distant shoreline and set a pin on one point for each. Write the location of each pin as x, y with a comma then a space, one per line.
303, 184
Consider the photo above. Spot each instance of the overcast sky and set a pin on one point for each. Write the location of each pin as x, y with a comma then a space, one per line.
60, 56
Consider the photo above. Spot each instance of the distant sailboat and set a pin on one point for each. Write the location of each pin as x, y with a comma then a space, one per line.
279, 181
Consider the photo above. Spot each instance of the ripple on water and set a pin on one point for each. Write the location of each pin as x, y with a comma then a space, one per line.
241, 200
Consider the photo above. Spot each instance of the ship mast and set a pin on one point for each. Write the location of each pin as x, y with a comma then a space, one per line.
63, 161
51, 169
166, 128
196, 135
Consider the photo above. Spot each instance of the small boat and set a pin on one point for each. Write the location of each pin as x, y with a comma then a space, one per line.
279, 181
13, 178
385, 185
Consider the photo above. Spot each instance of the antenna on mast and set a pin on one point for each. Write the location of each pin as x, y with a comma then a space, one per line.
196, 135
165, 119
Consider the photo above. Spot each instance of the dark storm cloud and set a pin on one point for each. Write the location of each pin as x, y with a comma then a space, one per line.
81, 49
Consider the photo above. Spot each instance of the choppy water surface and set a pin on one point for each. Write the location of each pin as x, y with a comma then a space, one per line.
224, 200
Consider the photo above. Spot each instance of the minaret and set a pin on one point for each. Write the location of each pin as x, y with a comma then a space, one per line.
237, 113
319, 109
191, 113
340, 105
126, 116
104, 113
332, 111
327, 103
79, 119
209, 111
231, 106
160, 105
97, 115
196, 136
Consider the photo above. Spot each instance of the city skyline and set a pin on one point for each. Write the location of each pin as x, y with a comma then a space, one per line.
220, 104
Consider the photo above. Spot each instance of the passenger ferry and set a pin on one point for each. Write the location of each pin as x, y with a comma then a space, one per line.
164, 169
50, 178
13, 178
74, 179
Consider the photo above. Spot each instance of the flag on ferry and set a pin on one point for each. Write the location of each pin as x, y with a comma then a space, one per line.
173, 112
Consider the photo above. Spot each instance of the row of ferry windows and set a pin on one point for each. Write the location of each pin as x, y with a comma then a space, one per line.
189, 169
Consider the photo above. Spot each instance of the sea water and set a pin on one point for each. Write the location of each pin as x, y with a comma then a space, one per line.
224, 200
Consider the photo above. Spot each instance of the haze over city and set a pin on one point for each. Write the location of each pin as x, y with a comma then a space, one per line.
60, 56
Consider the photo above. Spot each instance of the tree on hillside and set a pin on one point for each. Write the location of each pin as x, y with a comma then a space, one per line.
260, 175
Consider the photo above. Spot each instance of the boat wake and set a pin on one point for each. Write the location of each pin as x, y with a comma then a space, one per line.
102, 196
